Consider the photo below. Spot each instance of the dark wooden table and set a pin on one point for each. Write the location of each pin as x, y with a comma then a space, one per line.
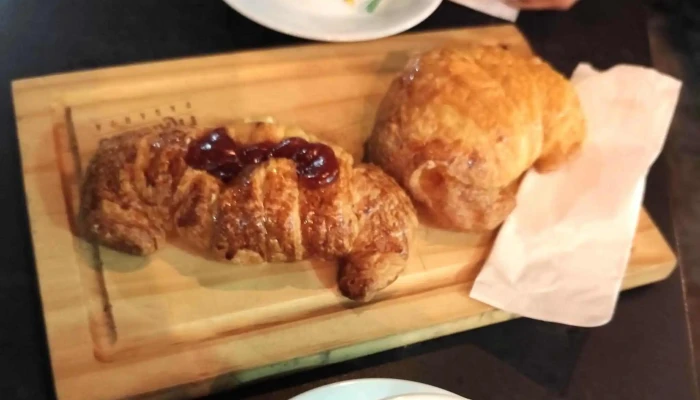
644, 353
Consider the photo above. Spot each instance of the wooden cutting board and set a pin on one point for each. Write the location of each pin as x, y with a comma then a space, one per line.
175, 325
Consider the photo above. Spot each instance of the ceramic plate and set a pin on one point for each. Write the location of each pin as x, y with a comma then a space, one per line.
336, 20
378, 389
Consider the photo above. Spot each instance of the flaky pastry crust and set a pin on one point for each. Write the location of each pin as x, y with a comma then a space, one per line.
461, 125
138, 192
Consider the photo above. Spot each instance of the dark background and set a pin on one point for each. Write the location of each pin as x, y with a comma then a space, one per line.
644, 353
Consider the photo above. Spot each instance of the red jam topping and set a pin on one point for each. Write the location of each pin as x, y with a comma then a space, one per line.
223, 158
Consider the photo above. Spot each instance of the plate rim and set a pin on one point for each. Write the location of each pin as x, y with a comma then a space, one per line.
340, 38
364, 380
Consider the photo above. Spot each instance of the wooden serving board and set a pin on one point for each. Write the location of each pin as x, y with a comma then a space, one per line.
175, 325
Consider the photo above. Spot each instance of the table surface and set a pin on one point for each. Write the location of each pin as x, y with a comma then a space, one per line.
644, 353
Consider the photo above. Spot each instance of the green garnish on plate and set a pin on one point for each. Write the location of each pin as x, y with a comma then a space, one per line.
372, 5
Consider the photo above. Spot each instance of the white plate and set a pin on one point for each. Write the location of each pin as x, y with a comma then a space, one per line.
377, 389
335, 20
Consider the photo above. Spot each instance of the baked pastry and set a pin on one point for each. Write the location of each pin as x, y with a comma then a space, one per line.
461, 125
248, 193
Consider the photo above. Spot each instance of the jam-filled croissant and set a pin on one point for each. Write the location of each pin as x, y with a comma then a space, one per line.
250, 192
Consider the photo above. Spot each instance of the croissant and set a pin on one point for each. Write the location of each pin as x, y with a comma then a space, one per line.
140, 190
461, 125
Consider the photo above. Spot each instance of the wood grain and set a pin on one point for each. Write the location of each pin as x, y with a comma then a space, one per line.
176, 325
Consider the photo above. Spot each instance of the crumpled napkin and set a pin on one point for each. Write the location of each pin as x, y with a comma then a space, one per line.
562, 254
494, 8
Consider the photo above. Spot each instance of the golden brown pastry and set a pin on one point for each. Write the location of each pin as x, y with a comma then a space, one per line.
146, 186
461, 125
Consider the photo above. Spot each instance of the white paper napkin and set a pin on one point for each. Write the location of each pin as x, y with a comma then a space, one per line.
562, 254
494, 8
